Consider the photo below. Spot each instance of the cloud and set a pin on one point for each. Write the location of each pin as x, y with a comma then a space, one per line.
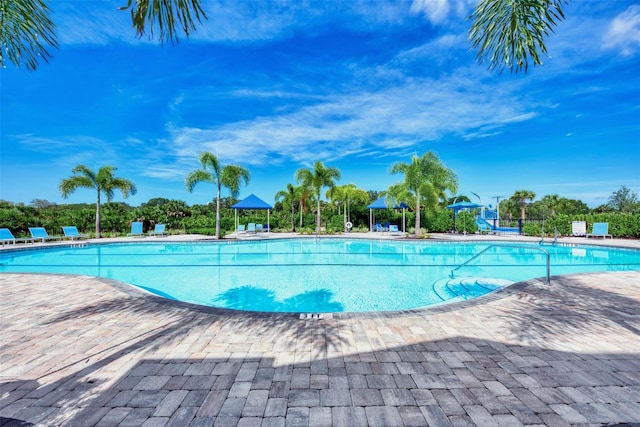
624, 32
437, 11
359, 123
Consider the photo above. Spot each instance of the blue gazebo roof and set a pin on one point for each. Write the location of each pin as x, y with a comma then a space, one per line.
381, 203
252, 202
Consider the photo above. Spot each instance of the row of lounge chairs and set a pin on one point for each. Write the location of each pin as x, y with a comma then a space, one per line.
252, 228
39, 234
600, 229
387, 228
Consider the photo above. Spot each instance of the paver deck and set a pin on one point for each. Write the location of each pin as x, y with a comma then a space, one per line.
83, 351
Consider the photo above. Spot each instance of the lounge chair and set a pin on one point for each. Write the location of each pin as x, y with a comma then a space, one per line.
40, 233
380, 228
241, 228
393, 229
6, 237
578, 228
259, 228
251, 227
158, 230
136, 229
600, 229
71, 232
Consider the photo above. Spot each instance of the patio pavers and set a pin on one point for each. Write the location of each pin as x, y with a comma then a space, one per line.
82, 351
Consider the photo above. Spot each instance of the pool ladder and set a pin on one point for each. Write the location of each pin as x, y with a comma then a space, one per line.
548, 281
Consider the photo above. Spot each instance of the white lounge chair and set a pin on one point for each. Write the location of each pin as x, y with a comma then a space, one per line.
578, 228
600, 229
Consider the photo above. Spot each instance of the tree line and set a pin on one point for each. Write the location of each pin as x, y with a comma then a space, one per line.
426, 188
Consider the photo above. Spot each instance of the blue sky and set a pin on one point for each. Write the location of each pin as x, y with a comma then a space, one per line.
275, 86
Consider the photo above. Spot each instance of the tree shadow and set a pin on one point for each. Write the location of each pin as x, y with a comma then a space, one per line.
573, 305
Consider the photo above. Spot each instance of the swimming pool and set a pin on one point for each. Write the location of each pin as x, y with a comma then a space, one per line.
318, 276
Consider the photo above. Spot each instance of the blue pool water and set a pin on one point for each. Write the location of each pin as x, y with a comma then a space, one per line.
328, 275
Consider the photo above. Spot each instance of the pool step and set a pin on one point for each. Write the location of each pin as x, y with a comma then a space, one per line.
463, 288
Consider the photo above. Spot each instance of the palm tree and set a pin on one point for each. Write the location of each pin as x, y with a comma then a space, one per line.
345, 194
425, 179
318, 178
289, 198
27, 31
521, 196
230, 176
102, 182
511, 33
552, 202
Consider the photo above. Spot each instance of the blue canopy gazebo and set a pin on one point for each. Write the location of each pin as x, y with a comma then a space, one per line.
252, 202
381, 203
462, 206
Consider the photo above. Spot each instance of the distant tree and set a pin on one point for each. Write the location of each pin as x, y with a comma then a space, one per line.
551, 204
374, 195
521, 197
229, 176
511, 33
426, 179
318, 178
103, 182
345, 195
41, 204
289, 199
623, 200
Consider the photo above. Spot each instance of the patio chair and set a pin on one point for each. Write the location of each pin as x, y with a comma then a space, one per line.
251, 227
600, 229
71, 232
158, 230
393, 229
578, 228
136, 229
259, 228
7, 237
241, 228
40, 233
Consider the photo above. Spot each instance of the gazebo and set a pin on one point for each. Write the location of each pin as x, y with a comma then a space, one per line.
252, 202
381, 203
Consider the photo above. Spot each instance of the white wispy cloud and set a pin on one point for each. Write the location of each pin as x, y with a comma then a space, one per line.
624, 31
364, 124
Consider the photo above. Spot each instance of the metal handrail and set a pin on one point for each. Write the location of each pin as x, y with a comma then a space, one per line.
510, 246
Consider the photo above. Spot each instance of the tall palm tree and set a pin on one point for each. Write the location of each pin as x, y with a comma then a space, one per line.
229, 176
103, 182
521, 196
345, 195
425, 179
27, 31
289, 198
318, 178
511, 33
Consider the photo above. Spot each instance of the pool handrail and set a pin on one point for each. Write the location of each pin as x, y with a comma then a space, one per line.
548, 281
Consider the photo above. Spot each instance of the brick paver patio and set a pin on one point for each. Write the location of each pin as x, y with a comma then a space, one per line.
82, 351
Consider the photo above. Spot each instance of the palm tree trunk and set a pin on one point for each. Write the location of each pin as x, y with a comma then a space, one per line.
318, 221
293, 218
417, 232
218, 212
98, 233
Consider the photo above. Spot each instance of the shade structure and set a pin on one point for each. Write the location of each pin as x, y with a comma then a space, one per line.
381, 203
252, 202
460, 206
464, 205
